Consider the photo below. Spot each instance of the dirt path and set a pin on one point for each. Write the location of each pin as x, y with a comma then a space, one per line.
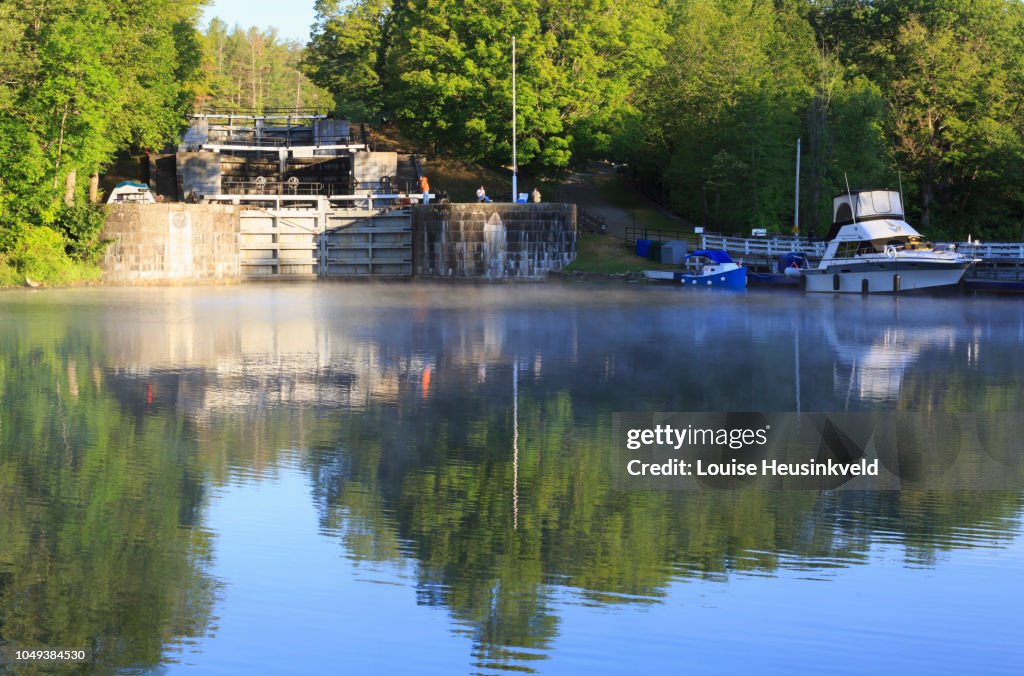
580, 188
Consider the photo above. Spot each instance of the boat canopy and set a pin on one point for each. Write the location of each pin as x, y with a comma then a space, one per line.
717, 255
132, 184
131, 191
866, 205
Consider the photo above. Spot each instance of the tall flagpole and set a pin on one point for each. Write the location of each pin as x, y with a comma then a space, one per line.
515, 165
796, 201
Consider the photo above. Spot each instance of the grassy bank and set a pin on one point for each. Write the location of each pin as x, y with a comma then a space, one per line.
73, 274
41, 257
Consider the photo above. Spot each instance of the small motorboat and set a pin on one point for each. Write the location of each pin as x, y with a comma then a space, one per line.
789, 266
131, 191
713, 267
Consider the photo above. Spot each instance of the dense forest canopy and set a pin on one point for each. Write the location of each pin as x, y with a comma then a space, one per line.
82, 81
705, 98
442, 70
254, 69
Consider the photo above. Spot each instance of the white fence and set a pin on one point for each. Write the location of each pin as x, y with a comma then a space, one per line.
997, 251
775, 246
763, 246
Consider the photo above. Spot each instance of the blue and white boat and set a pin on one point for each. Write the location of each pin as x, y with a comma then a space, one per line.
713, 267
871, 249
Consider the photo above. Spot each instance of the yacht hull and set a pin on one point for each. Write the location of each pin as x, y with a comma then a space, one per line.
887, 277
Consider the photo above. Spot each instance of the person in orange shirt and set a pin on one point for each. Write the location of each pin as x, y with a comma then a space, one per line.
425, 187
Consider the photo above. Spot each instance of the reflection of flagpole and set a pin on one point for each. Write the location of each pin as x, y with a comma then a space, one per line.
515, 443
796, 358
796, 361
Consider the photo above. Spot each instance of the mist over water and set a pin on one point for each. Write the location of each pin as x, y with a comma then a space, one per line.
405, 477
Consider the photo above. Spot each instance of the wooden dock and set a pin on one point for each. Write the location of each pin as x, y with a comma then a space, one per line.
1000, 270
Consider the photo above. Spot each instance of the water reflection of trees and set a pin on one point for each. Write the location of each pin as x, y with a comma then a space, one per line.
439, 488
99, 540
407, 419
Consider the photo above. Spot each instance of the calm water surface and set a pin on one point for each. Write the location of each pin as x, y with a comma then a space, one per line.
413, 478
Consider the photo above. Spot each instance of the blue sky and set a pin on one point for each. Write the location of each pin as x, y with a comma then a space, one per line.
292, 18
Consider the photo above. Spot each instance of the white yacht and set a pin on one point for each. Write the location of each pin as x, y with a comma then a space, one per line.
871, 249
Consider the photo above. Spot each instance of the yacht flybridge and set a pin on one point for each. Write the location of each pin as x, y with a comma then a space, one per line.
871, 249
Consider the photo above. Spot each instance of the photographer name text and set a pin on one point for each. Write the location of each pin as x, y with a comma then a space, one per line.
774, 468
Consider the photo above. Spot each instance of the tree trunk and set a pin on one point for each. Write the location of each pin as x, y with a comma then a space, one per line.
60, 144
817, 130
69, 189
927, 195
94, 188
252, 73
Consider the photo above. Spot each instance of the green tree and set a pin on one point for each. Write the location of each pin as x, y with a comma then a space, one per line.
254, 69
80, 81
845, 132
345, 54
952, 73
442, 70
721, 118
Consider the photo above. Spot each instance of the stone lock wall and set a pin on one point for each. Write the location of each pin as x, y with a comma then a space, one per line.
175, 242
171, 243
493, 241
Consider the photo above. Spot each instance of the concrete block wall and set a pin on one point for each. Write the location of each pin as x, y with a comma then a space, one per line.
493, 241
171, 242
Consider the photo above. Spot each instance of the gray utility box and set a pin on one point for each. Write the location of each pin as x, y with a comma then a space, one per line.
673, 252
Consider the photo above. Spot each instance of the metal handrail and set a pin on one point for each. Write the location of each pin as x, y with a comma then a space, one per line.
638, 232
261, 112
272, 186
591, 221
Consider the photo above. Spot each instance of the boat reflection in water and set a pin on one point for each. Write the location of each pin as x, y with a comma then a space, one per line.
427, 470
873, 349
